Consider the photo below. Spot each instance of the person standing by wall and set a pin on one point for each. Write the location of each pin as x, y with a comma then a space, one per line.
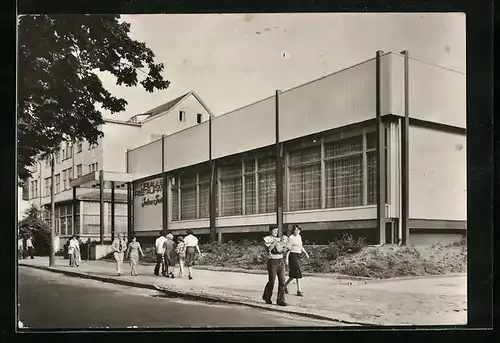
293, 258
30, 247
192, 246
133, 252
169, 255
119, 246
159, 249
275, 266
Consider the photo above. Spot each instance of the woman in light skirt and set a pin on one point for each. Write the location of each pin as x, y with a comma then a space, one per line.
293, 259
134, 250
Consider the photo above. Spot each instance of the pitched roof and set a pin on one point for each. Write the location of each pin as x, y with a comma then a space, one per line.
166, 107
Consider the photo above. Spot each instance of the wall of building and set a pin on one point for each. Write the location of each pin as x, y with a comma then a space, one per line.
433, 238
169, 123
436, 94
118, 137
438, 174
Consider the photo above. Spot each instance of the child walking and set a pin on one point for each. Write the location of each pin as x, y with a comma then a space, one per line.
181, 254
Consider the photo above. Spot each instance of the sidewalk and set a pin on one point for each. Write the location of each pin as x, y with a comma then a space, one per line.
424, 301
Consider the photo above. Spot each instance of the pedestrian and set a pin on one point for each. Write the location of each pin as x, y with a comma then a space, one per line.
181, 254
72, 246
30, 247
78, 253
119, 246
20, 245
275, 266
293, 259
159, 254
169, 255
133, 252
192, 246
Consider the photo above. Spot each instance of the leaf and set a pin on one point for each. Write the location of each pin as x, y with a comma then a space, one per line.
58, 84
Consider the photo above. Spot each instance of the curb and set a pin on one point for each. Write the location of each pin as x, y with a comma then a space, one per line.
192, 296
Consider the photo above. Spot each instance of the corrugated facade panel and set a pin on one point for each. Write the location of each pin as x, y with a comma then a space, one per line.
436, 94
187, 147
438, 175
245, 129
146, 159
337, 100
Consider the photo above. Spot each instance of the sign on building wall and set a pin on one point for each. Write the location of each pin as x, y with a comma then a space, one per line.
148, 204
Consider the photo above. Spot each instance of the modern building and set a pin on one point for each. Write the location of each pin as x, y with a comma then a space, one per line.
328, 136
82, 216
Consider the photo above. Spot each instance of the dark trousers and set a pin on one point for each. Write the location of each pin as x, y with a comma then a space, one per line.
275, 267
31, 252
159, 261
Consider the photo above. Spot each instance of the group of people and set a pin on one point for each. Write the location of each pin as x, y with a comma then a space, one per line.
25, 247
284, 251
168, 254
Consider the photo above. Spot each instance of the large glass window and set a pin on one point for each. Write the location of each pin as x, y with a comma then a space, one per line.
204, 194
250, 187
58, 183
175, 198
305, 179
120, 218
231, 189
267, 184
344, 172
371, 157
47, 186
188, 196
91, 218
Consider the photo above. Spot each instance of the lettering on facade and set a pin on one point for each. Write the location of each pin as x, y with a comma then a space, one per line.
149, 193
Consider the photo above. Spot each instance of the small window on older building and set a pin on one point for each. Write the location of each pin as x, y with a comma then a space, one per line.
182, 116
198, 118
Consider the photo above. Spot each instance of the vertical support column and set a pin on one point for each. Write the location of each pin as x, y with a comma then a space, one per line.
380, 155
129, 211
52, 252
219, 237
164, 204
405, 165
73, 218
101, 207
112, 210
212, 193
279, 171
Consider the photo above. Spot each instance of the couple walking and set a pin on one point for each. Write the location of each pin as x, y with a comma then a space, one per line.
286, 250
120, 250
168, 253
74, 251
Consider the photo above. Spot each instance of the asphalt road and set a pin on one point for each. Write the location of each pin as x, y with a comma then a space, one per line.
49, 300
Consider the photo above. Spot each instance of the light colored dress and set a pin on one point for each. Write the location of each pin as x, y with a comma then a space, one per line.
135, 248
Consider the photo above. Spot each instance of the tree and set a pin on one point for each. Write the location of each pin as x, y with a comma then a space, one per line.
32, 224
60, 57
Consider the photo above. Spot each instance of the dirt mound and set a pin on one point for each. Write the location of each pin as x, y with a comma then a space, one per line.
347, 257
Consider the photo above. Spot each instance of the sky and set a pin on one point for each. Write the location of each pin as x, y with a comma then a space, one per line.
232, 60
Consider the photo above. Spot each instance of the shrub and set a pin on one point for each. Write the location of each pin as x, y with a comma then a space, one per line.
345, 245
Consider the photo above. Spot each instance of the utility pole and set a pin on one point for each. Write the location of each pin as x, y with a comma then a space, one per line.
52, 257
